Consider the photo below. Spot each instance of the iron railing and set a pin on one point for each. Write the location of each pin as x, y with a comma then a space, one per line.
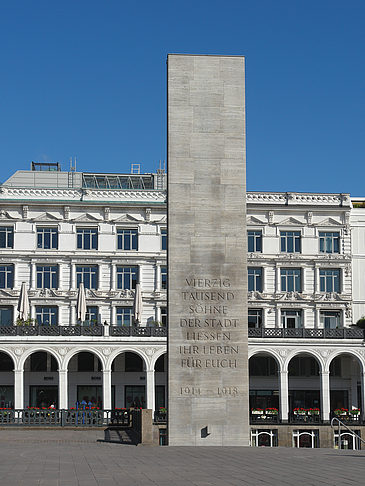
82, 331
342, 424
343, 333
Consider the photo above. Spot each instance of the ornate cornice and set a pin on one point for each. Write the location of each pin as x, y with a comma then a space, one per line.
298, 199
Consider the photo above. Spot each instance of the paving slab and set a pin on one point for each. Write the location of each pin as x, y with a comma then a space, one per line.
76, 458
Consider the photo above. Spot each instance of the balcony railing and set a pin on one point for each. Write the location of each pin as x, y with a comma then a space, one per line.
343, 333
303, 417
82, 331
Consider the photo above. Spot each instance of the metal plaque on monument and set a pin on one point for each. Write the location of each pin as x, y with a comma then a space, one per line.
207, 263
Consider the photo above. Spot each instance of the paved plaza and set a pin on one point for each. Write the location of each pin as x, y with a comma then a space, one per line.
76, 458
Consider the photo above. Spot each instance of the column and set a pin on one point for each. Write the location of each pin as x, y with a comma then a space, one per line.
15, 277
73, 315
317, 323
277, 289
18, 389
32, 312
325, 395
284, 394
112, 276
304, 279
316, 280
107, 389
362, 405
61, 270
62, 389
33, 283
150, 392
277, 317
73, 276
158, 278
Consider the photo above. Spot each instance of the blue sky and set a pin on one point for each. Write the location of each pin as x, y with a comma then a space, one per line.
87, 79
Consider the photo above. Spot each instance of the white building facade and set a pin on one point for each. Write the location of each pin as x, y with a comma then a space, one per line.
306, 266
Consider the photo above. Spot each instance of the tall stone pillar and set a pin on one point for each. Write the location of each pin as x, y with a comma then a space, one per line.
62, 389
18, 389
207, 266
284, 395
325, 395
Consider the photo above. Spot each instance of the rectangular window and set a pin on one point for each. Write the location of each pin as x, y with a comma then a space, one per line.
330, 320
88, 276
6, 276
164, 239
164, 316
6, 316
87, 238
306, 438
254, 241
124, 316
329, 242
290, 241
127, 277
47, 316
255, 318
6, 237
291, 319
254, 279
164, 278
291, 279
127, 239
264, 438
47, 238
329, 280
91, 316
47, 277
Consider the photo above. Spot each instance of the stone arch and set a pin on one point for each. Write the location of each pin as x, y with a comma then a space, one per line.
11, 355
304, 352
267, 352
39, 349
83, 349
348, 352
131, 349
155, 358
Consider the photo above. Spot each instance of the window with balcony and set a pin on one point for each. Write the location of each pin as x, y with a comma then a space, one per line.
91, 316
6, 276
6, 315
47, 238
254, 241
47, 277
164, 239
290, 241
255, 318
6, 237
127, 278
330, 319
254, 279
87, 238
124, 316
164, 316
127, 239
164, 278
329, 242
329, 280
291, 279
88, 275
291, 319
47, 316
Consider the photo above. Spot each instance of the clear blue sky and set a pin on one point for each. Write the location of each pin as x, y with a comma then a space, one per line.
88, 79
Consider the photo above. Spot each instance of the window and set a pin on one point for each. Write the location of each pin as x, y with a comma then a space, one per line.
91, 316
329, 280
47, 277
164, 278
6, 237
329, 242
6, 276
264, 437
87, 238
164, 239
47, 316
290, 242
127, 239
262, 366
255, 279
88, 276
127, 277
47, 238
306, 438
291, 319
164, 316
124, 316
254, 241
330, 320
6, 316
255, 318
291, 280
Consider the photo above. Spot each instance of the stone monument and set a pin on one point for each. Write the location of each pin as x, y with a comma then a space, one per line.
207, 264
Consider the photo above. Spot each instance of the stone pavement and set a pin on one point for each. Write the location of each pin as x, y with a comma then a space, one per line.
74, 458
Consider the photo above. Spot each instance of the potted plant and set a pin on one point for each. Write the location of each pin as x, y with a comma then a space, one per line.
300, 411
257, 411
341, 411
313, 411
271, 411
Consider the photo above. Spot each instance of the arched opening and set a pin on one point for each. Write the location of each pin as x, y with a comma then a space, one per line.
161, 382
6, 381
264, 386
41, 380
304, 387
128, 381
85, 381
345, 387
